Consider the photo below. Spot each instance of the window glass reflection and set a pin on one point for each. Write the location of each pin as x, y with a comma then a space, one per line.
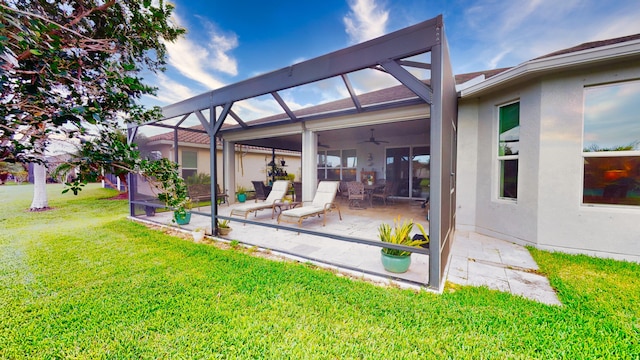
611, 117
509, 135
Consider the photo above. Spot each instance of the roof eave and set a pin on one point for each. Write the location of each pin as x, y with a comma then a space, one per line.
614, 52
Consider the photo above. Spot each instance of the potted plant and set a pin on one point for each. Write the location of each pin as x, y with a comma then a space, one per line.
198, 234
241, 194
181, 213
164, 176
149, 210
223, 227
424, 186
369, 179
394, 260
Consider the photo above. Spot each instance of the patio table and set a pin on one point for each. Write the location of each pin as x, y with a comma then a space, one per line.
370, 189
284, 205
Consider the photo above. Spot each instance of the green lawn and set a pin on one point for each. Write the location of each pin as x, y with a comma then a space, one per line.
81, 281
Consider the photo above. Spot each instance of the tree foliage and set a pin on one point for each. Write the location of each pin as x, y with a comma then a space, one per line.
110, 151
73, 67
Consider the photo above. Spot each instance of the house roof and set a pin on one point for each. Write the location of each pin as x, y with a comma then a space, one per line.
587, 54
591, 45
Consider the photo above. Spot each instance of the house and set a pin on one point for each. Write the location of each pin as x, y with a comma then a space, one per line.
549, 151
498, 152
251, 162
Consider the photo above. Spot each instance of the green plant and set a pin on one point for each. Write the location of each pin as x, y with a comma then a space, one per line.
164, 175
224, 224
240, 190
400, 234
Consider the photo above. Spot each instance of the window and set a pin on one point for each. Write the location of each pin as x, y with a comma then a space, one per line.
189, 163
611, 144
337, 165
508, 150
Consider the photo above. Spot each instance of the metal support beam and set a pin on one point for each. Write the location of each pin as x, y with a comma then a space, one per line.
415, 64
204, 122
213, 167
238, 119
404, 43
223, 115
132, 131
352, 93
284, 106
408, 80
175, 146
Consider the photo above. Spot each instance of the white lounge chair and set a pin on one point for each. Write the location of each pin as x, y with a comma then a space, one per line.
323, 202
278, 192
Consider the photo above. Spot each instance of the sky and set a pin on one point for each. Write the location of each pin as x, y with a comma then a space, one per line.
230, 41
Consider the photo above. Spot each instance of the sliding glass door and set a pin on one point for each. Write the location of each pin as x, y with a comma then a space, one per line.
408, 168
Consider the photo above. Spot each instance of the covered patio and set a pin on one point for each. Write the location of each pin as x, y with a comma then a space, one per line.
392, 117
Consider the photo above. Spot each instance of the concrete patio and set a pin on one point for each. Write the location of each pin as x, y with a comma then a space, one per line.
476, 260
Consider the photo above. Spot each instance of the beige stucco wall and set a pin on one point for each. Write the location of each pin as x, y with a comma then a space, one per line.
250, 163
548, 212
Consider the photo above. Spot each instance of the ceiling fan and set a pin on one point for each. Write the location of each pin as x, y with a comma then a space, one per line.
321, 144
372, 139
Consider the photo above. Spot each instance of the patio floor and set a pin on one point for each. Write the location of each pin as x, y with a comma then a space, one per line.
476, 260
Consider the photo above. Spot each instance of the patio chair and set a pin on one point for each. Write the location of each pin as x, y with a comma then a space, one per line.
384, 193
221, 197
280, 189
356, 194
262, 191
323, 203
297, 189
343, 190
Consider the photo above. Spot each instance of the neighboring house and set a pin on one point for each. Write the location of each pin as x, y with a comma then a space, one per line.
193, 157
549, 151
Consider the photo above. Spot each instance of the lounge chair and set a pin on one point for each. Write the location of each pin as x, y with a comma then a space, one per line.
279, 190
323, 202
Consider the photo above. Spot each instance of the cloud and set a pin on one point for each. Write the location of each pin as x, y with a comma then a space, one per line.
366, 20
170, 91
498, 34
219, 45
200, 63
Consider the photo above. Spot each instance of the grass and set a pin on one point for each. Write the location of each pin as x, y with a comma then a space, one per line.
81, 281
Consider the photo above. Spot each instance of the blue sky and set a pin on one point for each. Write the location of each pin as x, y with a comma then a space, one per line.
229, 41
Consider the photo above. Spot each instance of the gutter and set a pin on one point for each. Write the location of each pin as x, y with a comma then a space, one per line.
608, 53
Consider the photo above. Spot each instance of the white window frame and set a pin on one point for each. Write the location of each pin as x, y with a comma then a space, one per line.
501, 158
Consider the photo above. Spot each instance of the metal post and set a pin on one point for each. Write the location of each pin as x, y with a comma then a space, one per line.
214, 169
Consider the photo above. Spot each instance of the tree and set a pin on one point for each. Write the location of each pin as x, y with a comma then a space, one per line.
111, 151
71, 69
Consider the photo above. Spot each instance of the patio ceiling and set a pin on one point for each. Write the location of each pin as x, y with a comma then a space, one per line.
356, 134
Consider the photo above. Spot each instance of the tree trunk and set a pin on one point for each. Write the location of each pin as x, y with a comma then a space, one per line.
40, 201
